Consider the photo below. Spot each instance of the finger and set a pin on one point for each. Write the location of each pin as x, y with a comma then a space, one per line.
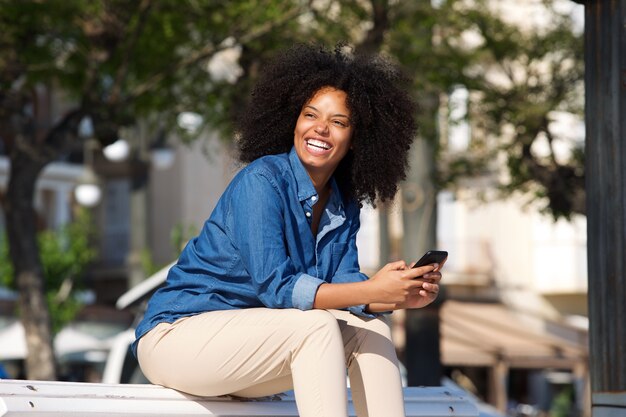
434, 277
418, 282
420, 285
394, 266
431, 295
417, 272
411, 285
430, 287
428, 295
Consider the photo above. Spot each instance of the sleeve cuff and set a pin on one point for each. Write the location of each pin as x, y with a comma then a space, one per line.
360, 310
304, 292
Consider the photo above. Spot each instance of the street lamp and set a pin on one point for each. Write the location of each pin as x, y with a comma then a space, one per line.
137, 161
118, 151
153, 153
161, 154
88, 192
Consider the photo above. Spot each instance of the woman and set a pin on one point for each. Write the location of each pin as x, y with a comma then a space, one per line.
269, 296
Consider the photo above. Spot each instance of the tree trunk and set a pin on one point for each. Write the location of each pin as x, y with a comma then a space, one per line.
22, 234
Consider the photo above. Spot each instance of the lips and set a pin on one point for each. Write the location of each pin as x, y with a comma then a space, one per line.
317, 145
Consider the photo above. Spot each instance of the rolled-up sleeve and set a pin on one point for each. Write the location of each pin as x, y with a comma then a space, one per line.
304, 291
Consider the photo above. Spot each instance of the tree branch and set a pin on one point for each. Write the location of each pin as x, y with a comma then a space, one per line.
208, 51
63, 137
545, 123
563, 184
376, 34
143, 12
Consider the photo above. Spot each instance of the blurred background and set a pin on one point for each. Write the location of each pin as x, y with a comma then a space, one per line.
116, 140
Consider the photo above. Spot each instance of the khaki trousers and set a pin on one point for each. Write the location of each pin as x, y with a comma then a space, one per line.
260, 351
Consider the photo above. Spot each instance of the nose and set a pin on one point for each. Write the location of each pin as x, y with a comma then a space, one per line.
321, 128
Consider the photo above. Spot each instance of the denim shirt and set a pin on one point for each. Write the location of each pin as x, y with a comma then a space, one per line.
257, 248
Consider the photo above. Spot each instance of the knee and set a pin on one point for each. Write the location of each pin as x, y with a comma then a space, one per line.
380, 326
374, 335
318, 326
319, 320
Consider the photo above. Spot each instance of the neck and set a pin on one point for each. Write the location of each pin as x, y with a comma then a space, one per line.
322, 185
321, 180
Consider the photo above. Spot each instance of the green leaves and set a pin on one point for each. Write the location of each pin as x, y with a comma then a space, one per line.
518, 76
65, 255
66, 252
149, 59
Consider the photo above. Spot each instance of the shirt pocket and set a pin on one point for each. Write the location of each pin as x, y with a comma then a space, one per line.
337, 252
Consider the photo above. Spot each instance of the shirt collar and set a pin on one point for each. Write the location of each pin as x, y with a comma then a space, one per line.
335, 197
306, 190
304, 184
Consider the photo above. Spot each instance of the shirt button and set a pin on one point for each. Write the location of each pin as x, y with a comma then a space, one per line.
308, 214
314, 198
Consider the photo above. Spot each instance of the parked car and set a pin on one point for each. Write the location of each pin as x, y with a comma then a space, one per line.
121, 366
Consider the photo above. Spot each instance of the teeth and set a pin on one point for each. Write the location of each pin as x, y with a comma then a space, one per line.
318, 143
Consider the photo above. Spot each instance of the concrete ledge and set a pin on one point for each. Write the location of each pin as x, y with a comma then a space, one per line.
44, 398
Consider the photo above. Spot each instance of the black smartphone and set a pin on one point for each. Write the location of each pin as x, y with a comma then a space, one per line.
432, 257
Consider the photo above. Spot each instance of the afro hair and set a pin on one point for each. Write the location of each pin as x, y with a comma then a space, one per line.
382, 113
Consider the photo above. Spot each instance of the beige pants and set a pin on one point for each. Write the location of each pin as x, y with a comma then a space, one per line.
257, 352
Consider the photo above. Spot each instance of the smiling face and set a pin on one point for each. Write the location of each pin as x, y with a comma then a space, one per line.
323, 134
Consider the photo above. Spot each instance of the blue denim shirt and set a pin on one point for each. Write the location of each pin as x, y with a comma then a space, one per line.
257, 248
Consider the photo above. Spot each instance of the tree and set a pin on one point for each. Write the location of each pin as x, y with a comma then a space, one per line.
65, 254
518, 79
123, 60
521, 80
522, 83
117, 61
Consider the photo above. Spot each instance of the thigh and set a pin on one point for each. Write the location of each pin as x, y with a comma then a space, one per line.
355, 330
223, 352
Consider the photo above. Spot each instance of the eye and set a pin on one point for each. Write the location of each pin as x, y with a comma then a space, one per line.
309, 115
340, 123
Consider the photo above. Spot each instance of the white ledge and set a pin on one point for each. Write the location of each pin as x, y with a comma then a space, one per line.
44, 398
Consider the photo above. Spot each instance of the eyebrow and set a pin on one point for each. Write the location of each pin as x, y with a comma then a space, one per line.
334, 115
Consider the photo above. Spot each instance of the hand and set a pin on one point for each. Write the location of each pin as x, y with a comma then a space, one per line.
396, 284
428, 291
